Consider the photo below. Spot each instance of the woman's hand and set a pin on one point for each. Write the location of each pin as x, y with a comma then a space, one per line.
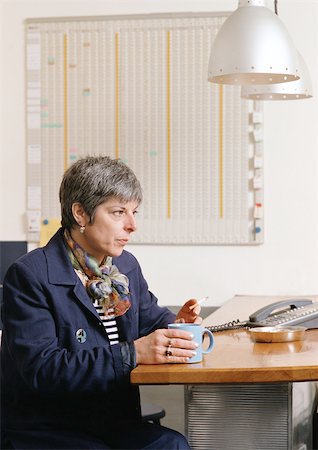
189, 313
165, 346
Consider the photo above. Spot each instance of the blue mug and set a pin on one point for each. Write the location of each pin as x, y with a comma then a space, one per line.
198, 334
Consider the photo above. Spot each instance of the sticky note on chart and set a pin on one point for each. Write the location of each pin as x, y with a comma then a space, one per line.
47, 229
34, 221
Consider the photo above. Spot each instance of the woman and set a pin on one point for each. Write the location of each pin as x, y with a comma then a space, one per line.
78, 317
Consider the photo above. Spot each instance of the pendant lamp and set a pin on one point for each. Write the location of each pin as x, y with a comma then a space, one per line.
299, 89
253, 47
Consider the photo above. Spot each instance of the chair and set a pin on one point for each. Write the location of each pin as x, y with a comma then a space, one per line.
315, 429
150, 412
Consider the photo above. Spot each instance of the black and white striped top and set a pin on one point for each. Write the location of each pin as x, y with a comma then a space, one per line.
109, 322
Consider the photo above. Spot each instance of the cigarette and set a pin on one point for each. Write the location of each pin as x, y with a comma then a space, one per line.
198, 303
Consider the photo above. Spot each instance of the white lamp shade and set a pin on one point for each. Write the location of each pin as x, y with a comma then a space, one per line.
253, 47
299, 89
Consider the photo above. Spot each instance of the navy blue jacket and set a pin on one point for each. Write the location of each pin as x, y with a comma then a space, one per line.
50, 380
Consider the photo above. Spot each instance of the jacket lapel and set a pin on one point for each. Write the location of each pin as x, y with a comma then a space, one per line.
61, 271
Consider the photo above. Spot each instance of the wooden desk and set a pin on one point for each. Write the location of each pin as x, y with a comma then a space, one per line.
237, 359
262, 383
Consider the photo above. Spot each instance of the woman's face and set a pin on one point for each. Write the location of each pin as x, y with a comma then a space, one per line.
110, 231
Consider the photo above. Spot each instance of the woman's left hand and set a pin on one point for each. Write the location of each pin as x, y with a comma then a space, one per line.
189, 313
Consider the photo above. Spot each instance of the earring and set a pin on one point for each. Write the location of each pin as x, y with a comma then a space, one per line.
82, 229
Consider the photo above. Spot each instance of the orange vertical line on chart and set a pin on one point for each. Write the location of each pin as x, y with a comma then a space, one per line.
65, 55
221, 150
117, 95
211, 143
168, 127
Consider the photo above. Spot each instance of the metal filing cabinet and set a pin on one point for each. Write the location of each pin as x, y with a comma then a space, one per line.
250, 416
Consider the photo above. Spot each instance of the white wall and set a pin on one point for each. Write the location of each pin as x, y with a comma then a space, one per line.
287, 263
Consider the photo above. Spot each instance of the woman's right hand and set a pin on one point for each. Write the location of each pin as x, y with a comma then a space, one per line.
157, 346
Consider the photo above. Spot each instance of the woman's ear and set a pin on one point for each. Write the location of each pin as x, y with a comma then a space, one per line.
79, 214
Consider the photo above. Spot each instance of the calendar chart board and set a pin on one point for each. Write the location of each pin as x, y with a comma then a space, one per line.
135, 88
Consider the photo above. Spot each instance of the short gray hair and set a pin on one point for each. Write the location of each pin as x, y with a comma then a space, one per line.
93, 180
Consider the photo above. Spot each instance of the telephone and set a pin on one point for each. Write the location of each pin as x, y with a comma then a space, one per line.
293, 311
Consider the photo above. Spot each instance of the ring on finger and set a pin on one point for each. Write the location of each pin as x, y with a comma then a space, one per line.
168, 352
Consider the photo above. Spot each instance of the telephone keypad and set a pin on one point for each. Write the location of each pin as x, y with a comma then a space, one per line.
292, 317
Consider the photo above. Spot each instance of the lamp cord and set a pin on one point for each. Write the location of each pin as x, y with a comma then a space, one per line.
275, 6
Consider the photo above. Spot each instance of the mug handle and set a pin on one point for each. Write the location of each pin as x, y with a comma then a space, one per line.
211, 345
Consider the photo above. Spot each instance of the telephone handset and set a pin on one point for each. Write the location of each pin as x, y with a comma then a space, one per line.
293, 311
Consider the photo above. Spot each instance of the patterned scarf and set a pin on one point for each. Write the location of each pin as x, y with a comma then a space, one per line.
105, 283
